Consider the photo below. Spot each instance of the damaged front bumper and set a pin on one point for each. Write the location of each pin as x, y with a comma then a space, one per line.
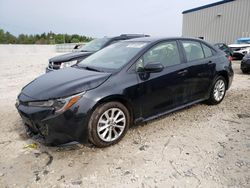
46, 127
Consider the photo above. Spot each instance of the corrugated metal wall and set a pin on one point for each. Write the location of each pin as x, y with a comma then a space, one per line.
221, 23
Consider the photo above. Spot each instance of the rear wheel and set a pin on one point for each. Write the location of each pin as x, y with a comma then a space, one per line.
218, 91
108, 124
244, 71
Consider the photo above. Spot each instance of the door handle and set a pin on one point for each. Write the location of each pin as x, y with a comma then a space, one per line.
184, 72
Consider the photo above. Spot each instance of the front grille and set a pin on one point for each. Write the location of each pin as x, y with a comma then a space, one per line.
23, 103
53, 65
33, 128
36, 128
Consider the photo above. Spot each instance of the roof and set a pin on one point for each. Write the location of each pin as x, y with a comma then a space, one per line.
145, 39
156, 39
127, 36
207, 6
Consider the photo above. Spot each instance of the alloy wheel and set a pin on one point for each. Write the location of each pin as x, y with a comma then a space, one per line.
219, 90
111, 124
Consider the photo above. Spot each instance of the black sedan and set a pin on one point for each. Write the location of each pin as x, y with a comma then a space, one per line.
125, 83
245, 64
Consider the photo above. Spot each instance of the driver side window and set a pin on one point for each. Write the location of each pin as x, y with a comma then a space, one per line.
165, 53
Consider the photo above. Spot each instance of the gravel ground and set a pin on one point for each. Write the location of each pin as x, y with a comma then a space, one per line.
200, 146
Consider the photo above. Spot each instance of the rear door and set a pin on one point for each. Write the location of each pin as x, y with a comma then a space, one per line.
199, 72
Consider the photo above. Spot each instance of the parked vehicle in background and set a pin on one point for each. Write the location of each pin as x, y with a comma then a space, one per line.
241, 48
245, 64
225, 48
243, 40
69, 59
131, 81
77, 47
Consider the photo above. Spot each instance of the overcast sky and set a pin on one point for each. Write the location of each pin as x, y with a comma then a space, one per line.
96, 18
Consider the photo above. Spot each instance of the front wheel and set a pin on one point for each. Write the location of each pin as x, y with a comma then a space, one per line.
218, 91
108, 124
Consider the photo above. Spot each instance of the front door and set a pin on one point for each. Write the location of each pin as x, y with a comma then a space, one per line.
164, 90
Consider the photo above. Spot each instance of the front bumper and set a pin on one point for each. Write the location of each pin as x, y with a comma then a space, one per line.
54, 129
239, 54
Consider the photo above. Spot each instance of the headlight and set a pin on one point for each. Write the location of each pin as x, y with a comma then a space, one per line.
68, 64
59, 105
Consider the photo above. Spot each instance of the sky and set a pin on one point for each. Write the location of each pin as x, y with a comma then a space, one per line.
96, 18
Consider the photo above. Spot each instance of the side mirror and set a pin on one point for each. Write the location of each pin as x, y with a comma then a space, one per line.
153, 67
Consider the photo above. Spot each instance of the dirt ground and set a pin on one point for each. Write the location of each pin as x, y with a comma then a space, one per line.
201, 146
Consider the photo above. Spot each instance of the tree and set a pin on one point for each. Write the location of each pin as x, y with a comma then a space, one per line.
74, 40
10, 39
2, 36
44, 38
59, 39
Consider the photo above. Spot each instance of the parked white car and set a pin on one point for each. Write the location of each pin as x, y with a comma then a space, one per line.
241, 48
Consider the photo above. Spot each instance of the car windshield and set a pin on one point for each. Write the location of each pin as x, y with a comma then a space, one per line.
94, 45
113, 56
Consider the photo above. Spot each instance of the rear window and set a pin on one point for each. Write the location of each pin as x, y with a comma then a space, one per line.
207, 51
193, 50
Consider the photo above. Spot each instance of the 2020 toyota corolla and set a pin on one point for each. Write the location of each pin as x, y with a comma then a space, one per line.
127, 82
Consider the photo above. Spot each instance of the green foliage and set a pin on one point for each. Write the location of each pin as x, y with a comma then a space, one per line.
75, 40
44, 38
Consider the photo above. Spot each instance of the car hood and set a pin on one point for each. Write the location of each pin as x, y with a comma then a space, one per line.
69, 56
63, 83
239, 45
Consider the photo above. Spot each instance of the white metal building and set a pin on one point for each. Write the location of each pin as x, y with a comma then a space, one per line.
223, 21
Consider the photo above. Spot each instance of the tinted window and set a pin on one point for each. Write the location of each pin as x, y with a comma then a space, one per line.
95, 45
207, 51
193, 50
222, 47
165, 53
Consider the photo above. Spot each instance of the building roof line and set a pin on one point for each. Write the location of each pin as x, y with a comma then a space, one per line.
206, 6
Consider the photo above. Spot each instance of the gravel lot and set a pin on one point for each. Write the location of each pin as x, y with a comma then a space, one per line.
201, 146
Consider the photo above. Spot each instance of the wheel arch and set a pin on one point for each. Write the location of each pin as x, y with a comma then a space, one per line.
117, 98
224, 74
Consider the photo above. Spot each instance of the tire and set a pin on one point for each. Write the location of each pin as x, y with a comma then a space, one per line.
106, 127
218, 91
244, 71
